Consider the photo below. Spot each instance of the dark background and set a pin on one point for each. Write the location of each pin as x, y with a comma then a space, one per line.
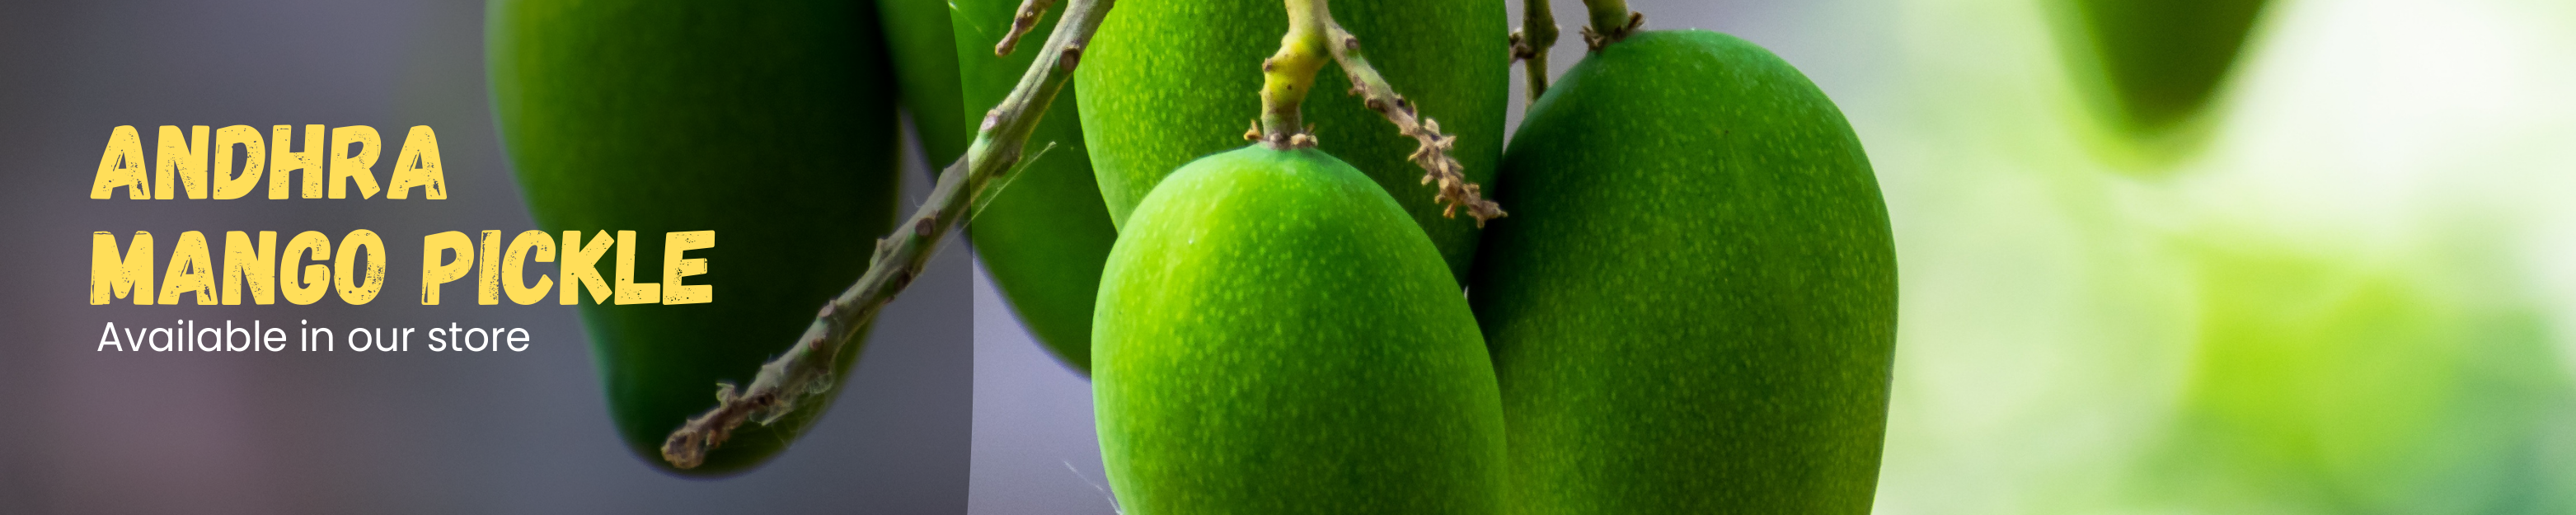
417, 432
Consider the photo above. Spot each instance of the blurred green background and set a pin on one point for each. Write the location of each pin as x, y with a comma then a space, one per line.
2351, 297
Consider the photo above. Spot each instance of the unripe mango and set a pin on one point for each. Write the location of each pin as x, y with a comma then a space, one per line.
770, 123
1044, 234
1692, 308
2156, 63
1167, 81
1274, 335
924, 54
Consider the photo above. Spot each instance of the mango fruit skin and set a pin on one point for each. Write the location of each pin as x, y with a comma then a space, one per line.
1692, 307
2161, 61
1275, 336
1167, 81
1045, 234
771, 124
924, 52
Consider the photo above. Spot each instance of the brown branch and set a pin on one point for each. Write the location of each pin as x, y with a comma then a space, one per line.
1433, 153
1027, 20
806, 368
1289, 74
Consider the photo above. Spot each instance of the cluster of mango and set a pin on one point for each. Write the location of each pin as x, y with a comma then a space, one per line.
1690, 308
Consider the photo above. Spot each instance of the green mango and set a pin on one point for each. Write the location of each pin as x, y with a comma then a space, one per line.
1275, 336
1692, 308
2159, 61
1167, 81
924, 52
1044, 234
771, 123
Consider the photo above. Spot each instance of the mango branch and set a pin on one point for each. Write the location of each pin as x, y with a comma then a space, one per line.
1530, 43
1290, 73
1021, 23
1611, 22
806, 368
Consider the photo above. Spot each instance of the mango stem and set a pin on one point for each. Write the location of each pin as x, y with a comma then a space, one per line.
1611, 23
1021, 23
1530, 43
1290, 73
1287, 75
788, 381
